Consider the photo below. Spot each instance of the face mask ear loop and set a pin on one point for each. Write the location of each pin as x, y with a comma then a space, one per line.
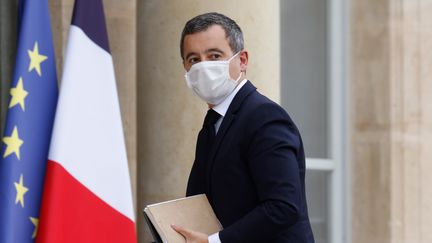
236, 81
229, 60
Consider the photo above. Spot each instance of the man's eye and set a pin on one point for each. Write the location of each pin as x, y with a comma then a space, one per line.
215, 56
193, 60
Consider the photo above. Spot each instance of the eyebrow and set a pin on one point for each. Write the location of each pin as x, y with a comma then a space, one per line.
214, 50
206, 52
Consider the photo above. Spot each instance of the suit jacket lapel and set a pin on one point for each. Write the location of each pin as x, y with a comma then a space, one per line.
235, 105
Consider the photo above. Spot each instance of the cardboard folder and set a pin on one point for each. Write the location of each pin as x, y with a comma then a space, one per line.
194, 213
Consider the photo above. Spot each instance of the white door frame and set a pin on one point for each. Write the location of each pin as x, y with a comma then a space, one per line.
336, 165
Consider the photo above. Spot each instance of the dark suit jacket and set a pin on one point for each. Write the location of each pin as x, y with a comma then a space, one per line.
254, 177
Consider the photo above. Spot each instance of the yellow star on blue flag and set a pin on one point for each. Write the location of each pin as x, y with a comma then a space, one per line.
13, 144
18, 95
36, 59
21, 190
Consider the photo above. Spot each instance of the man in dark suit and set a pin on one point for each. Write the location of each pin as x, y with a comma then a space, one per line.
249, 158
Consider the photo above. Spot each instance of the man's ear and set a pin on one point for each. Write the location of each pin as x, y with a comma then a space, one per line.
244, 58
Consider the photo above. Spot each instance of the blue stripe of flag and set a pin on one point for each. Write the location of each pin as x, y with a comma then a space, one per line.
88, 15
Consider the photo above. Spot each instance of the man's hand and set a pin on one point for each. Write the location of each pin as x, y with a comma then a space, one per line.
190, 235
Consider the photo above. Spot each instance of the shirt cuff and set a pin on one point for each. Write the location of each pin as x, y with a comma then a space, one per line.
214, 238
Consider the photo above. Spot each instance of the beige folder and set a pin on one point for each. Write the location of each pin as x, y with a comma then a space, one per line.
194, 213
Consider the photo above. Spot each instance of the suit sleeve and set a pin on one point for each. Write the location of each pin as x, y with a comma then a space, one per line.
272, 160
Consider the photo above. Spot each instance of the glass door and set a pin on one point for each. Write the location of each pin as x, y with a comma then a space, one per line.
312, 91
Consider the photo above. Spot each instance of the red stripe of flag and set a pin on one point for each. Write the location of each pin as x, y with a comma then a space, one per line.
73, 211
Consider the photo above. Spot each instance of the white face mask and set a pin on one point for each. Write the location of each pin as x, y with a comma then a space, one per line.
211, 81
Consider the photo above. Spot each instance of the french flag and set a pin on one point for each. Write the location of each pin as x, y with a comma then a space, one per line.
87, 193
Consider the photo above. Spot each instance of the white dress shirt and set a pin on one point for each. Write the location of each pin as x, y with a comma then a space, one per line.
222, 109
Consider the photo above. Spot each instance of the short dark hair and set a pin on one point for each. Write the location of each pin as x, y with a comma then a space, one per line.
202, 22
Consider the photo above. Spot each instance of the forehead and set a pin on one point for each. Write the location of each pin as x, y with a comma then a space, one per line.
213, 37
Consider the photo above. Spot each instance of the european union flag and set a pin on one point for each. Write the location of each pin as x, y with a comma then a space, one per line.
31, 108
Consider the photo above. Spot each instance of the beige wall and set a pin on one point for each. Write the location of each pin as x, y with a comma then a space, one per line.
411, 112
391, 114
369, 113
169, 116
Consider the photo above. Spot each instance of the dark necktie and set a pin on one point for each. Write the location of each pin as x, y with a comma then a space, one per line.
209, 122
205, 142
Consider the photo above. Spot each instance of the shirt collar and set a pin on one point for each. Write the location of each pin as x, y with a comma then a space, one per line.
222, 108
